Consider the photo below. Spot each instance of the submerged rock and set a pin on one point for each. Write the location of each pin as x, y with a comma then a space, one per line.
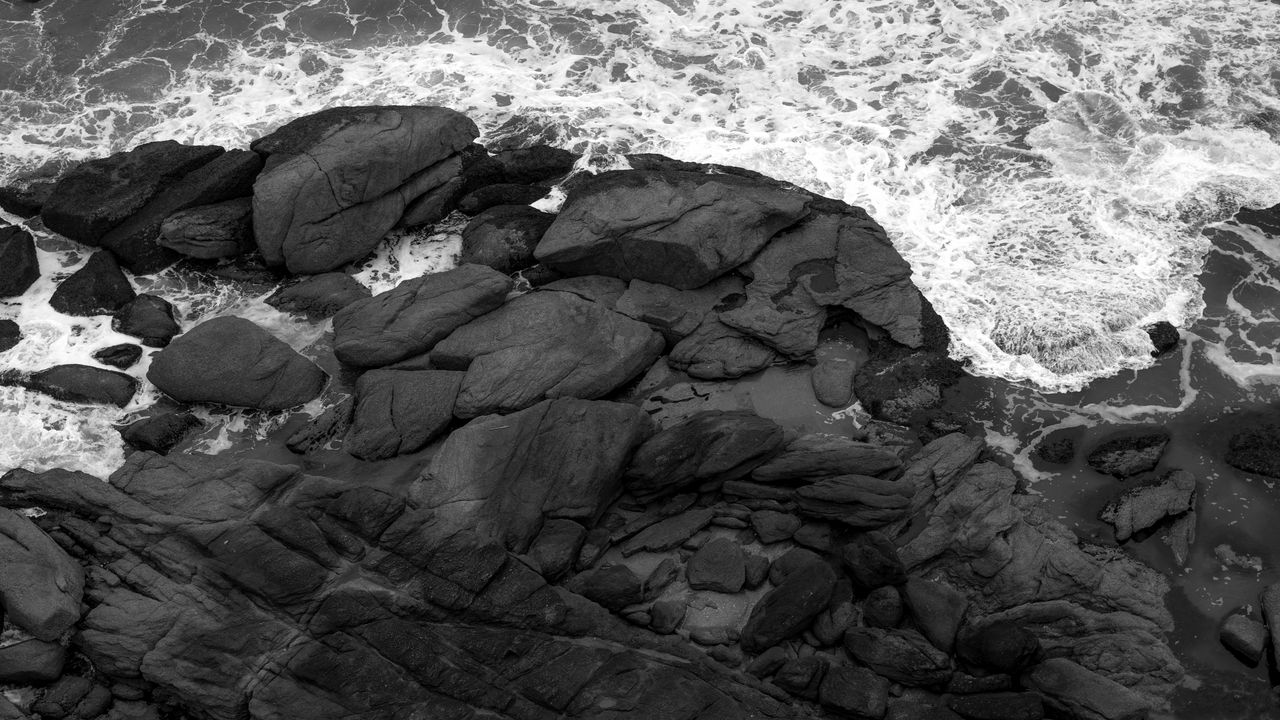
1256, 449
483, 198
209, 232
1244, 636
10, 334
1129, 454
1164, 338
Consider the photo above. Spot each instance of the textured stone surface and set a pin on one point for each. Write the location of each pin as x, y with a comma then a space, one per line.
41, 587
19, 265
400, 411
711, 446
1142, 507
855, 500
786, 610
811, 457
1078, 693
504, 237
904, 656
718, 566
97, 288
319, 296
1129, 454
209, 232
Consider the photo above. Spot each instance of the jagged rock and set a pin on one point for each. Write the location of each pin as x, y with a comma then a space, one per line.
666, 616
149, 318
883, 608
936, 609
598, 289
676, 228
400, 411
998, 706
612, 586
118, 356
904, 656
503, 475
669, 533
832, 376
1244, 636
872, 561
801, 677
209, 232
854, 691
10, 334
534, 163
810, 457
336, 181
544, 345
786, 610
319, 296
41, 586
1003, 646
25, 201
78, 384
31, 662
677, 313
96, 196
718, 566
483, 198
710, 447
1256, 449
349, 592
1141, 507
226, 177
772, 526
855, 500
160, 433
19, 264
504, 237
415, 315
330, 426
97, 288
1164, 338
1129, 454
715, 351
1080, 694
232, 361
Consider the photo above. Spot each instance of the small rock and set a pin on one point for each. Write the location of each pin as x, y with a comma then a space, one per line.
772, 527
998, 706
557, 546
816, 536
119, 356
41, 585
661, 578
854, 691
841, 613
160, 433
83, 384
730, 655
147, 317
1058, 452
1244, 636
99, 287
1072, 691
1164, 338
19, 264
613, 586
666, 616
329, 427
788, 609
937, 610
503, 237
832, 376
756, 570
718, 566
1001, 646
903, 656
1141, 507
1129, 454
1240, 561
1271, 614
883, 608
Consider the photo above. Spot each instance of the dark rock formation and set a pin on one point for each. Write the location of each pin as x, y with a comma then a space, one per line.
709, 447
544, 345
118, 356
1059, 452
998, 706
533, 164
97, 288
855, 500
872, 561
1164, 338
1004, 647
812, 457
1256, 449
10, 334
327, 428
400, 411
41, 586
676, 228
599, 289
1130, 453
718, 566
149, 318
503, 237
1076, 692
906, 388
336, 181
19, 265
612, 586
832, 376
209, 232
883, 608
31, 662
772, 526
1244, 636
160, 433
1141, 507
483, 198
903, 656
715, 351
557, 546
319, 296
77, 384
232, 361
25, 201
786, 610
854, 691
936, 609
412, 317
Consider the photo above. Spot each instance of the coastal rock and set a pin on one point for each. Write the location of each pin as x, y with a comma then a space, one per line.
556, 547
772, 526
41, 587
832, 376
499, 476
31, 662
1002, 646
503, 237
1244, 636
711, 446
336, 181
1080, 694
10, 334
718, 566
209, 232
786, 610
533, 164
676, 228
483, 198
340, 586
1164, 338
96, 196
544, 345
998, 706
26, 200
936, 609
1129, 454
319, 296
1141, 507
903, 656
232, 361
883, 608
598, 289
935, 470
160, 433
855, 500
1256, 449
612, 586
715, 351
79, 384
225, 177
97, 288
676, 313
325, 429
400, 411
118, 356
148, 318
802, 677
811, 457
1058, 452
669, 533
791, 561
413, 316
19, 265
841, 614
904, 388
872, 561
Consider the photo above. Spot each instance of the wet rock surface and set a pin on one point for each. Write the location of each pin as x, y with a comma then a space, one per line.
19, 265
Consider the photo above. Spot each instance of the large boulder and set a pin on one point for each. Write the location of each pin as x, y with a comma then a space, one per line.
41, 587
19, 265
788, 609
500, 476
233, 361
413, 316
545, 344
96, 196
710, 447
337, 181
677, 228
97, 288
209, 232
504, 237
149, 318
400, 411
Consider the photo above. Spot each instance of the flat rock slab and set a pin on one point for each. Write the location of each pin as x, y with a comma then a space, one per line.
711, 446
400, 411
232, 361
41, 586
1142, 507
812, 457
668, 534
543, 345
413, 316
677, 228
499, 476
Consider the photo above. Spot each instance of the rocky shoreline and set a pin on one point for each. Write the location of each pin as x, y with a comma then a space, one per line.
595, 520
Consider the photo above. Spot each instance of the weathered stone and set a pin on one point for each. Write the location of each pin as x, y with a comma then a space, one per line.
772, 526
668, 534
1003, 646
149, 318
718, 566
534, 163
666, 616
855, 500
10, 334
31, 662
1244, 636
232, 361
329, 427
1129, 454
209, 232
25, 200
1142, 507
757, 570
854, 691
504, 237
786, 610
400, 411
677, 313
61, 699
811, 457
715, 351
160, 433
19, 264
1164, 338
483, 198
832, 376
97, 288
801, 677
841, 614
936, 609
903, 656
118, 356
77, 384
557, 546
883, 608
662, 576
414, 316
319, 296
1256, 449
790, 562
1058, 452
1080, 694
710, 447
41, 587
613, 586
599, 289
